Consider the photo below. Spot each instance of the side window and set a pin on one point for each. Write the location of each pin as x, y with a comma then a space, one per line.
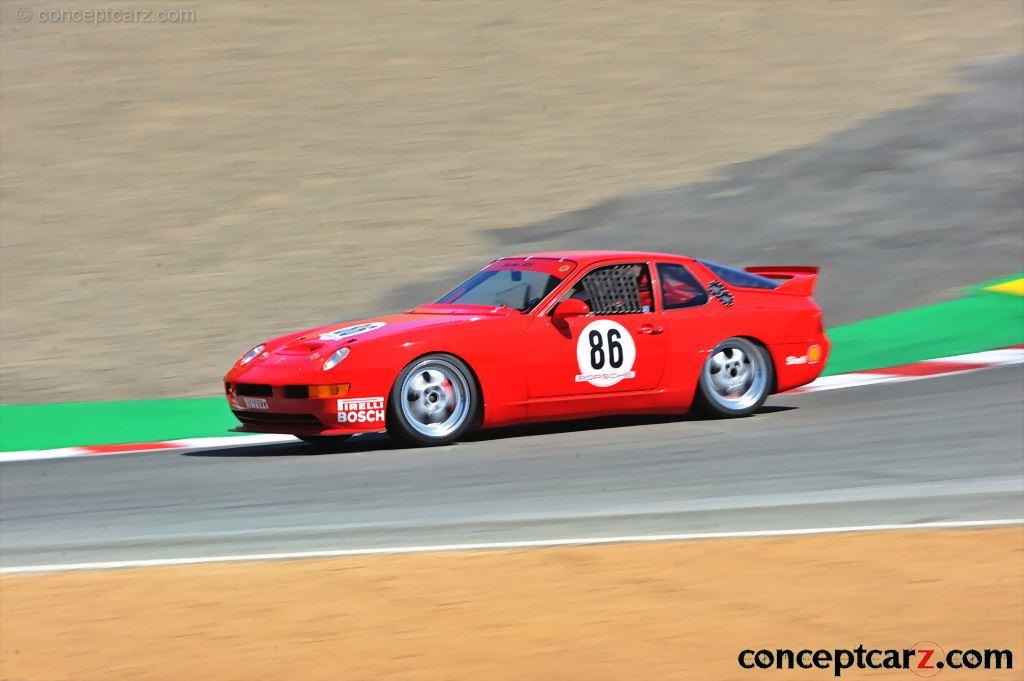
679, 288
616, 289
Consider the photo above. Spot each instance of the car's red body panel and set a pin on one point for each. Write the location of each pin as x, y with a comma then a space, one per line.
526, 367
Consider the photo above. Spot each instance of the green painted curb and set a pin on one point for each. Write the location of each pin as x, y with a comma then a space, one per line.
69, 424
980, 321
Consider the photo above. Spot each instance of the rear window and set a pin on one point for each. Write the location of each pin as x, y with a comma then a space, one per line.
731, 275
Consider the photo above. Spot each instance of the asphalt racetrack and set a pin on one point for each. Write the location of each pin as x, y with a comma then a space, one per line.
943, 449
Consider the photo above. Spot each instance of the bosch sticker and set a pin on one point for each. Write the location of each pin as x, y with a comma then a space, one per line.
361, 410
605, 353
347, 331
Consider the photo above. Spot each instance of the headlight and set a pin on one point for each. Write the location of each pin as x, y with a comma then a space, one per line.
333, 360
252, 354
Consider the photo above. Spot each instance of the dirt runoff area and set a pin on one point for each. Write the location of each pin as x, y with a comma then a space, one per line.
174, 192
645, 611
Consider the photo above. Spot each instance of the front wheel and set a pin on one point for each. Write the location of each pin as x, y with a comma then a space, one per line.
434, 401
735, 380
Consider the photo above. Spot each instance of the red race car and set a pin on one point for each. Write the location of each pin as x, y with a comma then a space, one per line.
542, 337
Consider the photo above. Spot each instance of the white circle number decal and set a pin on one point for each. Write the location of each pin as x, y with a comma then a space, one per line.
605, 353
347, 331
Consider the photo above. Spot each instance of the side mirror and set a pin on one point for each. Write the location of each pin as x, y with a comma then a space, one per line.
570, 307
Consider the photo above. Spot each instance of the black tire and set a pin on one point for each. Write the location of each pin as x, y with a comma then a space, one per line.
447, 381
725, 366
324, 443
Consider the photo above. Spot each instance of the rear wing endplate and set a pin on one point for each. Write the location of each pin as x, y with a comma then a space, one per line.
797, 280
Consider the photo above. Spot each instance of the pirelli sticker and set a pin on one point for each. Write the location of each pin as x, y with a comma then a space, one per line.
361, 410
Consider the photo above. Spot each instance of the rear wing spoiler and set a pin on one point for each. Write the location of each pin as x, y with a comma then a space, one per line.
797, 280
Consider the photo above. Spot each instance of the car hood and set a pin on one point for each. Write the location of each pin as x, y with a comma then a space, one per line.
304, 351
329, 337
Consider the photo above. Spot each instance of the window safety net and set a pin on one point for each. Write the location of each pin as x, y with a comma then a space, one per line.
613, 290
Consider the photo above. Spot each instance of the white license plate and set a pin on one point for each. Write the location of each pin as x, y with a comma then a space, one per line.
255, 403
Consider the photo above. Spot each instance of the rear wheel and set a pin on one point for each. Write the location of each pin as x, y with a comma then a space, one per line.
735, 380
434, 401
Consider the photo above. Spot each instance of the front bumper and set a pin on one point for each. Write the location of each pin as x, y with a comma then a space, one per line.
265, 408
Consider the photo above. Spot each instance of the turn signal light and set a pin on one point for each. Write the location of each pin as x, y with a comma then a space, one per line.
339, 390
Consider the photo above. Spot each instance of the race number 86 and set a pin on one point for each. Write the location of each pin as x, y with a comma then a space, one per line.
597, 349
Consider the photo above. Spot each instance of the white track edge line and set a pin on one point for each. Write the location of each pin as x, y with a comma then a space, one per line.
490, 546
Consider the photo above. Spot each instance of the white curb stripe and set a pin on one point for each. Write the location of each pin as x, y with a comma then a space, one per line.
975, 360
176, 445
490, 546
987, 360
37, 454
844, 381
990, 357
237, 441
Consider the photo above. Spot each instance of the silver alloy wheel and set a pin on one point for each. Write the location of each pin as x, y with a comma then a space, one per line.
736, 374
435, 397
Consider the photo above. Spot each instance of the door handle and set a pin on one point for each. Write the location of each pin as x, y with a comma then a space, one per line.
651, 330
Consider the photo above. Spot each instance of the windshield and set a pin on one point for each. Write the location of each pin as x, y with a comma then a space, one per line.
510, 284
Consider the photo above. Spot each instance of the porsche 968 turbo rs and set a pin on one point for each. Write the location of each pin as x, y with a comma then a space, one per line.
541, 337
